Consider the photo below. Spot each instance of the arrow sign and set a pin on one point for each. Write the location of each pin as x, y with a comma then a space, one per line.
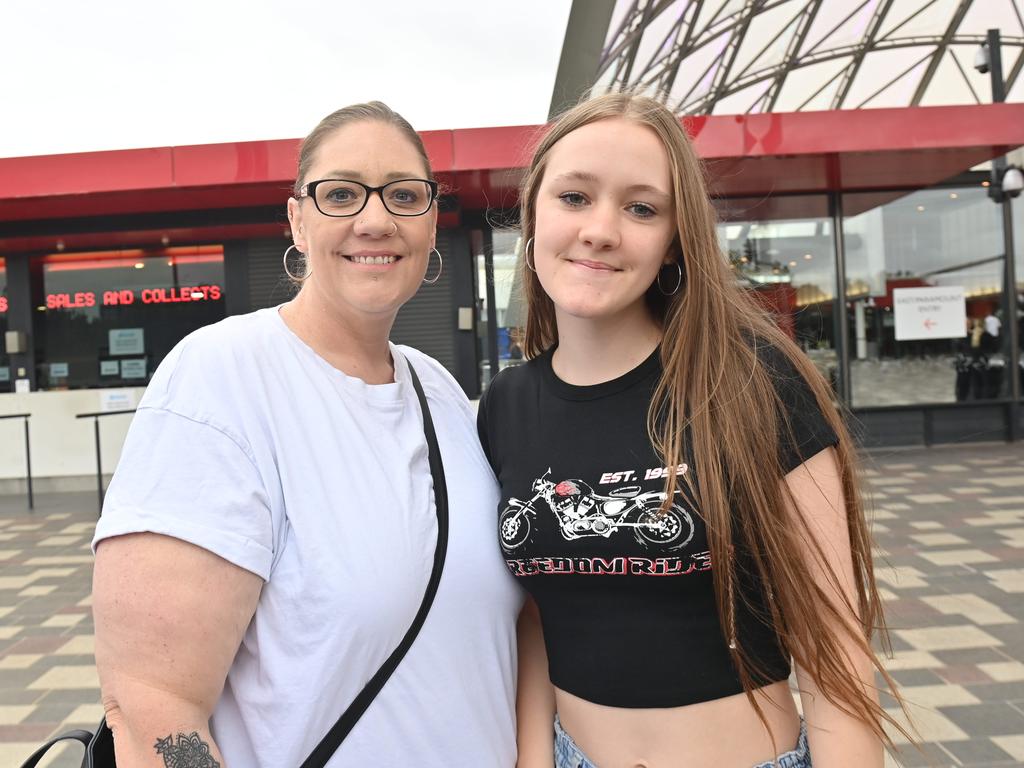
929, 313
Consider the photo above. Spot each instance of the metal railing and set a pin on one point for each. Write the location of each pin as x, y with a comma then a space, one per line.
95, 416
28, 453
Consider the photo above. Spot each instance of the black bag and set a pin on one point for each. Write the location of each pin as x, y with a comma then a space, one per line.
99, 747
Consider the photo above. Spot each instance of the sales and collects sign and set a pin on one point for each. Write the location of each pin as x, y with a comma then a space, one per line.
929, 313
124, 297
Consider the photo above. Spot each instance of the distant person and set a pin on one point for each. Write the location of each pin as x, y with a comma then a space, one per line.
515, 352
990, 335
678, 493
270, 530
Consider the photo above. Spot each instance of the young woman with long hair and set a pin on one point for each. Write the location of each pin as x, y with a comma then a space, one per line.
678, 492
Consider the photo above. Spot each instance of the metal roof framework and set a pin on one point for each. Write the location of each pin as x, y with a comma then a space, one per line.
753, 56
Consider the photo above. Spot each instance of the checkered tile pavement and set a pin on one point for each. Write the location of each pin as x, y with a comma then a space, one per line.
949, 528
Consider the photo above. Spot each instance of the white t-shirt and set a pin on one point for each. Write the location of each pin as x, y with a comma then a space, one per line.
250, 445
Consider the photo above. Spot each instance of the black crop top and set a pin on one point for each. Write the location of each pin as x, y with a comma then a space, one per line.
626, 598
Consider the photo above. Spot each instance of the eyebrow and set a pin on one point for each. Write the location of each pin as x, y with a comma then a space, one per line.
357, 176
590, 178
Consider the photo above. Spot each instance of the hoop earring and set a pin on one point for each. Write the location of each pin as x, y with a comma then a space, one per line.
679, 282
440, 267
526, 255
284, 261
393, 231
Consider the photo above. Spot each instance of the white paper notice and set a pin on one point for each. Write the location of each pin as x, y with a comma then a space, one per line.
126, 341
929, 313
117, 400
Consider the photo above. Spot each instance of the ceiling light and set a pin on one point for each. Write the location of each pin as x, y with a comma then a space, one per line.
984, 183
196, 294
953, 195
139, 265
60, 245
165, 240
920, 208
808, 257
792, 263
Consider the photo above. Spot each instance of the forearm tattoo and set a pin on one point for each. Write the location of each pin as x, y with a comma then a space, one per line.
187, 752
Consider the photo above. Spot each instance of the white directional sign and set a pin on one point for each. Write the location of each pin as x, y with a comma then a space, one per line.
929, 313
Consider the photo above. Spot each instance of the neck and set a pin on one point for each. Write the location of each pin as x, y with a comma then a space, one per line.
354, 345
592, 351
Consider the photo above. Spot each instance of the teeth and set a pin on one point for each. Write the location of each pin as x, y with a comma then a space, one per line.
373, 259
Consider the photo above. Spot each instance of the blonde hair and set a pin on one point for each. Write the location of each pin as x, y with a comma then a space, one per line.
716, 395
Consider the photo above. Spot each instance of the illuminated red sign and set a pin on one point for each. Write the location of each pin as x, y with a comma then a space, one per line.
3, 304
124, 297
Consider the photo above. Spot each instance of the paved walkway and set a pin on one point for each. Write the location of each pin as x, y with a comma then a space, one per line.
949, 524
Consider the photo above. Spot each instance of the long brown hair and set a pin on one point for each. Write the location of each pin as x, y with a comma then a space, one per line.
717, 395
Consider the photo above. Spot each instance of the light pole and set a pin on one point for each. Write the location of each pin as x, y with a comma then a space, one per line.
1005, 184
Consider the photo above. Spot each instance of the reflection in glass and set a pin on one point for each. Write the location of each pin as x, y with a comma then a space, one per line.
1018, 240
510, 314
108, 319
6, 375
782, 248
943, 237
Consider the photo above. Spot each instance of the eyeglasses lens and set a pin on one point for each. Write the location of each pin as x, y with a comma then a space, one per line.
405, 197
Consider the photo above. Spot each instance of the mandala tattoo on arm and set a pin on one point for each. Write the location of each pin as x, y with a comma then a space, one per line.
187, 752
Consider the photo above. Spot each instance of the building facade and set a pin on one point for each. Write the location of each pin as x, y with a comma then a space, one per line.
108, 259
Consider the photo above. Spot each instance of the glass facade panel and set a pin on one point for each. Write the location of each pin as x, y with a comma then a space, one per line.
783, 249
6, 375
1018, 247
108, 319
510, 313
934, 241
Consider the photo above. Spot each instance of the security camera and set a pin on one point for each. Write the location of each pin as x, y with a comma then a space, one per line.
981, 60
1013, 181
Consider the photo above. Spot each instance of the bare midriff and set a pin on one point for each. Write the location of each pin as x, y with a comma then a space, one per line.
723, 732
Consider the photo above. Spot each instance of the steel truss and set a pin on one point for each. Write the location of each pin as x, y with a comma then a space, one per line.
621, 65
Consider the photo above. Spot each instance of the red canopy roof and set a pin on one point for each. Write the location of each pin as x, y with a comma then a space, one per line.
757, 154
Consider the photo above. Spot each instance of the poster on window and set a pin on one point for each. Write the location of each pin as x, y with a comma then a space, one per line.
58, 370
134, 368
929, 313
109, 368
126, 341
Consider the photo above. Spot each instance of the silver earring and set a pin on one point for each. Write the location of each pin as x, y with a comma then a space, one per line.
284, 260
440, 267
679, 282
526, 255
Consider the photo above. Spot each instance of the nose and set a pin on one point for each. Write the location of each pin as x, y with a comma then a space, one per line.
375, 220
600, 229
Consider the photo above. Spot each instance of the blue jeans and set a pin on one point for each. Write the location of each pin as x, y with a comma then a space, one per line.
568, 755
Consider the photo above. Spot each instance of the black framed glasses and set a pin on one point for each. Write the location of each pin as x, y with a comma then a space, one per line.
345, 197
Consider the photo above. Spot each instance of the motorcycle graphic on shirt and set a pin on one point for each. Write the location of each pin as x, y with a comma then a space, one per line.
581, 513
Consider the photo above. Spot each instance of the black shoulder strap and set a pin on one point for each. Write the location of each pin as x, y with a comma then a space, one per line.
330, 743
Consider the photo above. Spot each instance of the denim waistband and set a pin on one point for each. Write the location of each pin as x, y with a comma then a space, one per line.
568, 755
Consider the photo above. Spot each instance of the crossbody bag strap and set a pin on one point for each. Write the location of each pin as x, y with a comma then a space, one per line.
330, 743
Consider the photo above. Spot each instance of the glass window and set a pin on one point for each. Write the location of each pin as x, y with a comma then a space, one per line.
6, 376
939, 243
783, 249
108, 319
511, 315
1018, 241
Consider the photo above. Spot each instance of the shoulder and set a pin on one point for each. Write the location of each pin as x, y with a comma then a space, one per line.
805, 428
436, 379
517, 381
214, 365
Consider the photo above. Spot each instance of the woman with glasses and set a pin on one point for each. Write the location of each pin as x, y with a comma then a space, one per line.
270, 531
677, 489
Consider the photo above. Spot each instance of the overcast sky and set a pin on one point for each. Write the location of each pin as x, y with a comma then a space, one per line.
114, 74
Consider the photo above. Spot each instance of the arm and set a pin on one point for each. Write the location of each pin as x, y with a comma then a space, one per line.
169, 619
535, 696
836, 739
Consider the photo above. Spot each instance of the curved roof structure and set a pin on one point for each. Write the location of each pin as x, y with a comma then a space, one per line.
751, 56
